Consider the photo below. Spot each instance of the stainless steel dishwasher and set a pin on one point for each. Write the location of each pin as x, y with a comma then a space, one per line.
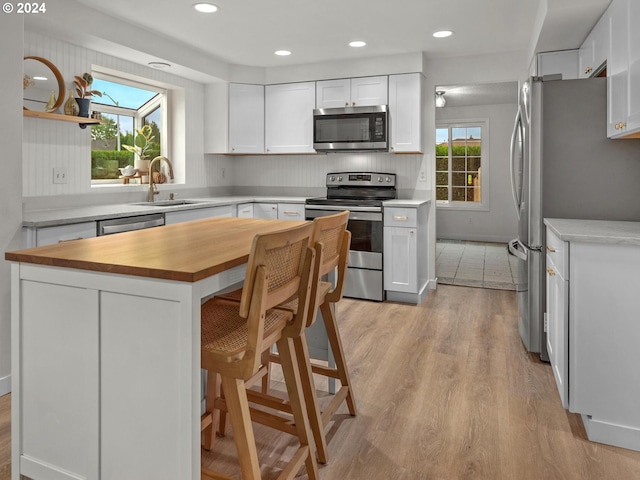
128, 224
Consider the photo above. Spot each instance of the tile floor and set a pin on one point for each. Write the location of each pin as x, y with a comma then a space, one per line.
476, 264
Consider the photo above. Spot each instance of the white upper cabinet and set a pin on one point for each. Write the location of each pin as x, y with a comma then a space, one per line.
359, 92
618, 69
246, 118
594, 52
633, 103
289, 117
405, 112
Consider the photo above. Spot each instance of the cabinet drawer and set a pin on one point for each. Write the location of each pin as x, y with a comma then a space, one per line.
400, 217
558, 253
291, 211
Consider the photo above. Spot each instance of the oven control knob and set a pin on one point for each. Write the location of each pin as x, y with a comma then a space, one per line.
388, 179
332, 178
339, 179
379, 179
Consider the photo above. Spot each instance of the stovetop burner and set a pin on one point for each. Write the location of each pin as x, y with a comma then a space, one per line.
361, 189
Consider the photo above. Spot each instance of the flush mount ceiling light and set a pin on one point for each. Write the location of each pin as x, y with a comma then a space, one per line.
357, 44
159, 64
204, 7
282, 53
440, 100
40, 78
443, 34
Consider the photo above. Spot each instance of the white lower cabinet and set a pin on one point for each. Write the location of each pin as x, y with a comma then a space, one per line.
268, 211
593, 333
557, 316
405, 253
39, 236
197, 214
272, 211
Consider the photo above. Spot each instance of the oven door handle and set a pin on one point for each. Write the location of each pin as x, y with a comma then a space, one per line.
339, 208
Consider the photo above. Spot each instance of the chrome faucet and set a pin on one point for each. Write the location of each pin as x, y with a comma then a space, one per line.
153, 190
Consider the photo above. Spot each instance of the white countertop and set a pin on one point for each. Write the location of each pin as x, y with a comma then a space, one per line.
64, 216
47, 218
595, 231
411, 203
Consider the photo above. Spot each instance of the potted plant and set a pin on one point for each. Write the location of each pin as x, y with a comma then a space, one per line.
142, 143
84, 93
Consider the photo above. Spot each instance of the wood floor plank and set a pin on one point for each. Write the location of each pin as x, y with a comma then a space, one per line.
445, 391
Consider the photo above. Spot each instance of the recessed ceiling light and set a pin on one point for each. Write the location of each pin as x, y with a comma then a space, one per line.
443, 34
204, 7
357, 44
282, 53
159, 64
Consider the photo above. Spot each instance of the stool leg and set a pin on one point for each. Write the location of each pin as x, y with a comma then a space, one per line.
310, 397
336, 347
291, 374
266, 380
213, 392
236, 397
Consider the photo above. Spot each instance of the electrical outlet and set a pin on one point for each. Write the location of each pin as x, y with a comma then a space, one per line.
422, 176
59, 175
222, 172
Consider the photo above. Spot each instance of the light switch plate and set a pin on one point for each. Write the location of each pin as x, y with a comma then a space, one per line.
59, 175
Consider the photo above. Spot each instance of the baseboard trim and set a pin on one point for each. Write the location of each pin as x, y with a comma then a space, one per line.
623, 436
5, 385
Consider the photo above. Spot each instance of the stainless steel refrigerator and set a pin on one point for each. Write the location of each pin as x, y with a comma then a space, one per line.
563, 166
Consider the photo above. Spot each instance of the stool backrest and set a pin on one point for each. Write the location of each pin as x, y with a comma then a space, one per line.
281, 265
331, 231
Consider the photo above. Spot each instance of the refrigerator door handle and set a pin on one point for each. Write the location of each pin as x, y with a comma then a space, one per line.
518, 250
516, 189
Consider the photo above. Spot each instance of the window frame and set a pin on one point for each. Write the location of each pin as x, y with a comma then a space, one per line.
483, 124
159, 101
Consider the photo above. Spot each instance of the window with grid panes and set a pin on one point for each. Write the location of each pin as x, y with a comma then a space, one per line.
459, 164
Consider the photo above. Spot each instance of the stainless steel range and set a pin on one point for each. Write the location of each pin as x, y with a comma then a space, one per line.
362, 193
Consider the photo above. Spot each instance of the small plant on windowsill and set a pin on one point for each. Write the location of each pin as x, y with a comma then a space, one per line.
142, 144
84, 93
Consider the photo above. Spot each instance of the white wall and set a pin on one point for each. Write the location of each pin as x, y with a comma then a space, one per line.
500, 222
11, 28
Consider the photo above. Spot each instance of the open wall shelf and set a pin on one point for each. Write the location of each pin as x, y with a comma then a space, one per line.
63, 118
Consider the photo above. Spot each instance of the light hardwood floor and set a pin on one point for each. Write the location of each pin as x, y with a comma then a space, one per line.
445, 391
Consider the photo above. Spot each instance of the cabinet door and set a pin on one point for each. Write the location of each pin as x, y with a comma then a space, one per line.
400, 259
367, 91
617, 68
586, 57
267, 211
246, 118
245, 210
63, 233
558, 329
289, 117
405, 112
197, 214
633, 86
333, 93
291, 211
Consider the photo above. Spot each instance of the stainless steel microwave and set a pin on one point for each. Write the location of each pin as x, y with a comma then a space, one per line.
351, 129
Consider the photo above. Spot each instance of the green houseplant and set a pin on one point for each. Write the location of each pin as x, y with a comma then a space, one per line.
84, 93
142, 144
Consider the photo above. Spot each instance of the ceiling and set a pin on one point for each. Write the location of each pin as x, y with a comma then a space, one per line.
248, 32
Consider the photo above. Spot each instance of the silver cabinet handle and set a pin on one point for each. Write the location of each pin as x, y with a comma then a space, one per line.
291, 212
401, 218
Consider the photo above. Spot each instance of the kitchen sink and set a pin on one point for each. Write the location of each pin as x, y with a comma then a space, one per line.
168, 203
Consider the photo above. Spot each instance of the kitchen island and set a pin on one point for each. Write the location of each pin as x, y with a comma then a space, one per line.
106, 348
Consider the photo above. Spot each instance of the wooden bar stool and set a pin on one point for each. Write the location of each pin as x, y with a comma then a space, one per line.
234, 335
332, 241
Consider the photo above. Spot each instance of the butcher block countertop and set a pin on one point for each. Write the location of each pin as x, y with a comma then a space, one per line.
184, 252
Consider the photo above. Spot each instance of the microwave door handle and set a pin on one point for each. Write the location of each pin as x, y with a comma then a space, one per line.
517, 129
